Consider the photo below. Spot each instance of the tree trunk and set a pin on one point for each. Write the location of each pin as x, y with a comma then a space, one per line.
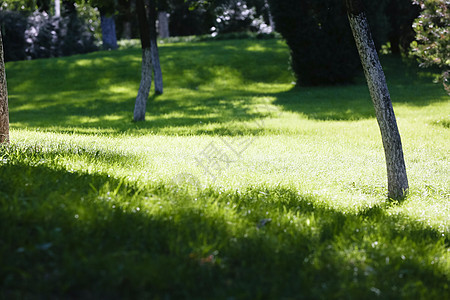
144, 87
109, 37
163, 25
156, 67
154, 48
376, 81
57, 8
126, 32
146, 72
4, 112
127, 7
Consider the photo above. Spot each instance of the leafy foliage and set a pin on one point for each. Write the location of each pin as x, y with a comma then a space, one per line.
40, 35
433, 36
238, 16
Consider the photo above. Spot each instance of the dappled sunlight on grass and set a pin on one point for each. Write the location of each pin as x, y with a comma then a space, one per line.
89, 196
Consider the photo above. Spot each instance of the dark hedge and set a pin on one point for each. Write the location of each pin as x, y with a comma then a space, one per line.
320, 40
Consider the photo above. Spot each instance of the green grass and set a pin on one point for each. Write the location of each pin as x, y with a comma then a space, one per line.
93, 205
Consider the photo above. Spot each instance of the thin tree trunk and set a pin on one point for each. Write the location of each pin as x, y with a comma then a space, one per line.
156, 67
146, 72
163, 25
376, 81
154, 48
109, 37
144, 87
4, 112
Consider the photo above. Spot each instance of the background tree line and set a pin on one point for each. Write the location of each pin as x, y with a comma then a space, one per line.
32, 29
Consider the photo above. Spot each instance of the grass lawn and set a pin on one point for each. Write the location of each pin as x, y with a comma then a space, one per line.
238, 186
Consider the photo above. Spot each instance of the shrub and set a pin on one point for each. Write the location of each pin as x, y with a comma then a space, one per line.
42, 36
432, 45
238, 16
13, 25
39, 35
320, 40
75, 37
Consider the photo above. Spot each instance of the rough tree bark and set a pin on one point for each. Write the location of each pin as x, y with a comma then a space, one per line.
146, 73
154, 48
4, 112
376, 81
109, 37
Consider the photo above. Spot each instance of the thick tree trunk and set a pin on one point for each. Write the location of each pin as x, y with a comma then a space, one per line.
109, 37
4, 112
163, 25
376, 81
146, 72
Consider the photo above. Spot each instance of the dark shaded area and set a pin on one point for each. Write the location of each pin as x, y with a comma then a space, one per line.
13, 26
401, 15
322, 49
83, 241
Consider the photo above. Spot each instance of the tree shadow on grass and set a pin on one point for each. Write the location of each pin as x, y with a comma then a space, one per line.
407, 83
166, 116
89, 236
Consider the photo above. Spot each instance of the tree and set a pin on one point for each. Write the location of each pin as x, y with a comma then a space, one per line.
150, 58
153, 15
4, 112
146, 68
376, 81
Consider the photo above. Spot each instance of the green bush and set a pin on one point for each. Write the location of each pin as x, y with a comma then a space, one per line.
432, 45
38, 35
320, 40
